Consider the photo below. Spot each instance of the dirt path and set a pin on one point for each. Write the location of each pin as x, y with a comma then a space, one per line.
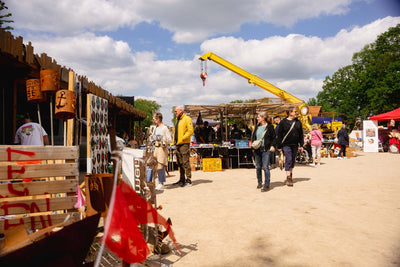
342, 213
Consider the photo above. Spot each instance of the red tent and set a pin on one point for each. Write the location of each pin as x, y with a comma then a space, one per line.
391, 115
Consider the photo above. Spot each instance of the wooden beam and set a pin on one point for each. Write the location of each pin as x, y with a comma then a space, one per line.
39, 188
36, 205
39, 222
38, 171
13, 153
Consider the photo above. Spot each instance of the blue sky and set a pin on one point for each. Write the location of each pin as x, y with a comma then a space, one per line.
149, 48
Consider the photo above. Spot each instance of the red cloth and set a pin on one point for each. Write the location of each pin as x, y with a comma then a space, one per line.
124, 237
144, 211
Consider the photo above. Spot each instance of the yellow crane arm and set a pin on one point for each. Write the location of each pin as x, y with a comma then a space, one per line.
304, 116
252, 78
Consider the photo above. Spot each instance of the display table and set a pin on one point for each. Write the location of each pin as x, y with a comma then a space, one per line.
240, 156
232, 157
327, 144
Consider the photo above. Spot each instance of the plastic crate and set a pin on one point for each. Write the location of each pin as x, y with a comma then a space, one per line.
241, 142
212, 164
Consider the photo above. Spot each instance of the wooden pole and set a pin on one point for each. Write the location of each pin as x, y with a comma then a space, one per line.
51, 120
40, 122
70, 122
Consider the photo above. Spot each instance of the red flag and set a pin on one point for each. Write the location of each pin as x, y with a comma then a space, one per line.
144, 212
124, 237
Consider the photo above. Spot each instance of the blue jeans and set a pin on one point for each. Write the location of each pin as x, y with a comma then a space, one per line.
160, 174
262, 159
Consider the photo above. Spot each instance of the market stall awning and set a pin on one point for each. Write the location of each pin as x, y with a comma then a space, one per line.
391, 115
236, 110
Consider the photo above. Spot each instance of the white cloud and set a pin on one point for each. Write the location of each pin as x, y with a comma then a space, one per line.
70, 32
189, 20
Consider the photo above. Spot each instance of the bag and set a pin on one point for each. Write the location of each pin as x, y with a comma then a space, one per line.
291, 127
256, 144
336, 140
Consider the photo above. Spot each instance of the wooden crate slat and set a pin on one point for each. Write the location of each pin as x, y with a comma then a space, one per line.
36, 205
38, 171
38, 188
38, 152
38, 222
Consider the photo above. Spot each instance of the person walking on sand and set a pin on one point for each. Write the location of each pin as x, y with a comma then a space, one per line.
265, 132
316, 143
161, 139
343, 141
183, 133
290, 138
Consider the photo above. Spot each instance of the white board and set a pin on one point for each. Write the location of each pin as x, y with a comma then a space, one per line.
370, 136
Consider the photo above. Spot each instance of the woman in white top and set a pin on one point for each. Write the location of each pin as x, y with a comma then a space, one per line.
161, 139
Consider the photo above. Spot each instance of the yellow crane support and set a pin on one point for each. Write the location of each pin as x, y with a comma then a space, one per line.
305, 117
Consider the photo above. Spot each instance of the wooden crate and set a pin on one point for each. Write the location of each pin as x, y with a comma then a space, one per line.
212, 164
38, 186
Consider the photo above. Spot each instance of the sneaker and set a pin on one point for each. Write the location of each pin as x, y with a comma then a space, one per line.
159, 187
344, 157
339, 158
178, 183
318, 164
259, 185
312, 164
187, 184
265, 188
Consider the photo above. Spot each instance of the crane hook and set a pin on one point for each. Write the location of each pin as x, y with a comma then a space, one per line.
203, 76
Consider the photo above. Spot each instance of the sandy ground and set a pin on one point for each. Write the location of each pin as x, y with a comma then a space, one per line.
342, 213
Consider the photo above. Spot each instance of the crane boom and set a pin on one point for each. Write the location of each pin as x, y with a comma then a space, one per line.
303, 109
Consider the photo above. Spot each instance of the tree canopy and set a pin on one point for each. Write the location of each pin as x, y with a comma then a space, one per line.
369, 86
3, 17
149, 107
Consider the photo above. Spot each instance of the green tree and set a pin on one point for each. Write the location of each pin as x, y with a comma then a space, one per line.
371, 85
149, 107
3, 19
312, 102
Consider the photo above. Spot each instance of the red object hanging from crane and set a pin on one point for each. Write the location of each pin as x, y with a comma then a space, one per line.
203, 76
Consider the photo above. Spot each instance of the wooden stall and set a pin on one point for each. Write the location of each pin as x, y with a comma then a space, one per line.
240, 154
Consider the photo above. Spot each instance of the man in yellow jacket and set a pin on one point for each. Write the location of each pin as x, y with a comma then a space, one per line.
183, 133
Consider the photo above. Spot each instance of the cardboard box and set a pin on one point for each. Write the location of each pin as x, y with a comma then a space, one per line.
193, 163
351, 152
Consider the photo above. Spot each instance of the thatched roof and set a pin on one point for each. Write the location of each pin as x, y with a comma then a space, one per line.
236, 110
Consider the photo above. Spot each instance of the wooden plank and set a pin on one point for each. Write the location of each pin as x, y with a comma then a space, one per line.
19, 48
38, 171
13, 153
38, 188
29, 53
70, 122
39, 222
36, 205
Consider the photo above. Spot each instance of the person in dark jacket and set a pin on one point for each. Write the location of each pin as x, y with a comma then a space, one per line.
290, 138
262, 155
343, 141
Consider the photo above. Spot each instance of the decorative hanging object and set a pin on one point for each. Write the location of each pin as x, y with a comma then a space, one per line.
33, 92
203, 74
49, 80
65, 104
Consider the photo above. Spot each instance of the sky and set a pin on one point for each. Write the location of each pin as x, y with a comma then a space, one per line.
149, 49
